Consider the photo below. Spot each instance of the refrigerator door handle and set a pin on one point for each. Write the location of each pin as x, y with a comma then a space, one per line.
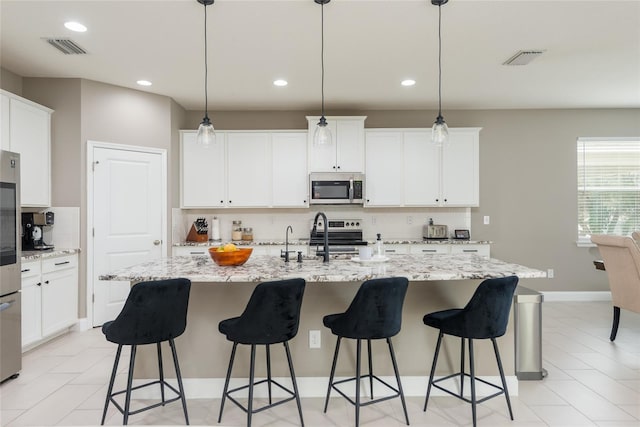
6, 305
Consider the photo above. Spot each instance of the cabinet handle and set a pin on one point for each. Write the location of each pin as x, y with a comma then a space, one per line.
62, 263
445, 200
196, 253
429, 250
46, 282
39, 284
221, 201
333, 167
25, 270
390, 250
338, 167
469, 250
229, 201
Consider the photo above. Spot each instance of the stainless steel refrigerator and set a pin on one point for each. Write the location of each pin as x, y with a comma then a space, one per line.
10, 254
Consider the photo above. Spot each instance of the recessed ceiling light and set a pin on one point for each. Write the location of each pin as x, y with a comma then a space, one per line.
280, 82
408, 82
144, 82
75, 26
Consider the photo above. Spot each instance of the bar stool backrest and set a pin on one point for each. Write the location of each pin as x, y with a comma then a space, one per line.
154, 311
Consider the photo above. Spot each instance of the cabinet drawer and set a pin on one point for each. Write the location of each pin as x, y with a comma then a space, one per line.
60, 263
30, 269
429, 249
396, 249
190, 250
482, 250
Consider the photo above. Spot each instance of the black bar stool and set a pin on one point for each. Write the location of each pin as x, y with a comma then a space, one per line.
374, 313
485, 316
154, 312
272, 316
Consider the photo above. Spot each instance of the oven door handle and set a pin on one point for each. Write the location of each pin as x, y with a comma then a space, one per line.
351, 189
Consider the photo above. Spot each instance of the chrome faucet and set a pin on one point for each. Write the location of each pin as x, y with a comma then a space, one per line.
325, 241
286, 243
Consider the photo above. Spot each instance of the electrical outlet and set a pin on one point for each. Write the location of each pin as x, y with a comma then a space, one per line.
409, 220
550, 273
314, 338
487, 220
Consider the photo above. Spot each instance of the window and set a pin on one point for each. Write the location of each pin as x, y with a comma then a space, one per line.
608, 186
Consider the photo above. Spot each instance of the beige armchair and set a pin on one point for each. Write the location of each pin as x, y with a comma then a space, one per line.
621, 256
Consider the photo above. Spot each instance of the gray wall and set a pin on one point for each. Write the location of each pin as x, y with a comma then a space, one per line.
10, 82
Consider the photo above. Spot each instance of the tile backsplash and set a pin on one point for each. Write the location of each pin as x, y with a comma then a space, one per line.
270, 224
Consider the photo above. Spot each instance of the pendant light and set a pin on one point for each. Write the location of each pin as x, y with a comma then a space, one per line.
206, 134
322, 135
440, 131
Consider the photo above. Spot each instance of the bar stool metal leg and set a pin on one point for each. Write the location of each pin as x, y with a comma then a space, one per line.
433, 369
358, 354
269, 372
370, 368
127, 402
160, 373
111, 381
293, 380
504, 382
179, 378
461, 366
333, 371
251, 380
473, 381
226, 381
395, 369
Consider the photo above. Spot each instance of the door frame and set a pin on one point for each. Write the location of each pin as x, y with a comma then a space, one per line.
91, 146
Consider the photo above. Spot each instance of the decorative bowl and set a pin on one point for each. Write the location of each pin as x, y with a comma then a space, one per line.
230, 258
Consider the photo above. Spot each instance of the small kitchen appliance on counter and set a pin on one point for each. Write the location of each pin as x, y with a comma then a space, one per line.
435, 232
344, 236
33, 228
199, 231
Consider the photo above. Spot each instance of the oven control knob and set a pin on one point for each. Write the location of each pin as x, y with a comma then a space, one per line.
357, 224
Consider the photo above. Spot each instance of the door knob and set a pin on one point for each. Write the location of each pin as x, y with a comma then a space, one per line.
157, 242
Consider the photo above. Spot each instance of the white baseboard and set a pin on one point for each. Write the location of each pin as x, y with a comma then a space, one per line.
413, 386
554, 296
82, 325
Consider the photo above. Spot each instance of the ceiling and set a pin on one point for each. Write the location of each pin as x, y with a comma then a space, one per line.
591, 53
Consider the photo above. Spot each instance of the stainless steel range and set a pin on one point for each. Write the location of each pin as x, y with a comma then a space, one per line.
344, 236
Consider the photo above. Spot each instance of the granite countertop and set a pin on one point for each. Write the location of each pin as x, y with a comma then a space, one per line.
264, 268
50, 253
306, 242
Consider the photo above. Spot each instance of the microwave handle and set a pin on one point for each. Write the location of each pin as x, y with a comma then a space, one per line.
351, 190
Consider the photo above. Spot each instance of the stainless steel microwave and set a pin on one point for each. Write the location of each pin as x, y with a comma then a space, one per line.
336, 188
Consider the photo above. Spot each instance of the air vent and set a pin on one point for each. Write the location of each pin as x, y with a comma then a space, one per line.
66, 46
523, 57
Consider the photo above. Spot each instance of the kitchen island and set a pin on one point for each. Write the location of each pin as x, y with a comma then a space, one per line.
217, 293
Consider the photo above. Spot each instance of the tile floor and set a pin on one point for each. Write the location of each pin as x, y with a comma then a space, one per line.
591, 382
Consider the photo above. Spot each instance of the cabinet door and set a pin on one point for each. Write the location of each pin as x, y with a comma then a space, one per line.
59, 300
460, 168
477, 249
202, 172
190, 251
396, 249
31, 303
421, 169
289, 169
29, 133
384, 171
5, 144
249, 177
430, 249
350, 145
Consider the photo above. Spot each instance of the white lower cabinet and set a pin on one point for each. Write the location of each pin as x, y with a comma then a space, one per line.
49, 297
189, 250
396, 249
430, 249
479, 249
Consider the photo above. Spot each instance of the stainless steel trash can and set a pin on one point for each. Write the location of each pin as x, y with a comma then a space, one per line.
528, 334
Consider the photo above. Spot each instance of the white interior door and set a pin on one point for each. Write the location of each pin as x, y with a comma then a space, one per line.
128, 217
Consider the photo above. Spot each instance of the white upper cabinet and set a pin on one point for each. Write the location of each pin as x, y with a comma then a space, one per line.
289, 169
203, 172
346, 153
403, 168
26, 129
248, 155
245, 169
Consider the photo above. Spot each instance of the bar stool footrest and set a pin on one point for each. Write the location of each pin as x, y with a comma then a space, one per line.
462, 397
146, 408
271, 405
369, 402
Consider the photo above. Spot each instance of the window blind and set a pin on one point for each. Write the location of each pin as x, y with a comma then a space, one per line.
608, 186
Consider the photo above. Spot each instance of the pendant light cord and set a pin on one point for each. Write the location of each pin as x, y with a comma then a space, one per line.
206, 69
322, 54
440, 60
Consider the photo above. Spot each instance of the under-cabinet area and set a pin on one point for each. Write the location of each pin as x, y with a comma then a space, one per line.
49, 297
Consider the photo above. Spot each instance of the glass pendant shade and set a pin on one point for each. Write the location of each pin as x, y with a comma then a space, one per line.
440, 132
322, 135
206, 135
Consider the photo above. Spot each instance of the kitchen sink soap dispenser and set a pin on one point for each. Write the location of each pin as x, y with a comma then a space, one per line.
379, 249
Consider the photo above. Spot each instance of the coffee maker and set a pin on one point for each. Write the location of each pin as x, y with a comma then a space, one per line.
32, 230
